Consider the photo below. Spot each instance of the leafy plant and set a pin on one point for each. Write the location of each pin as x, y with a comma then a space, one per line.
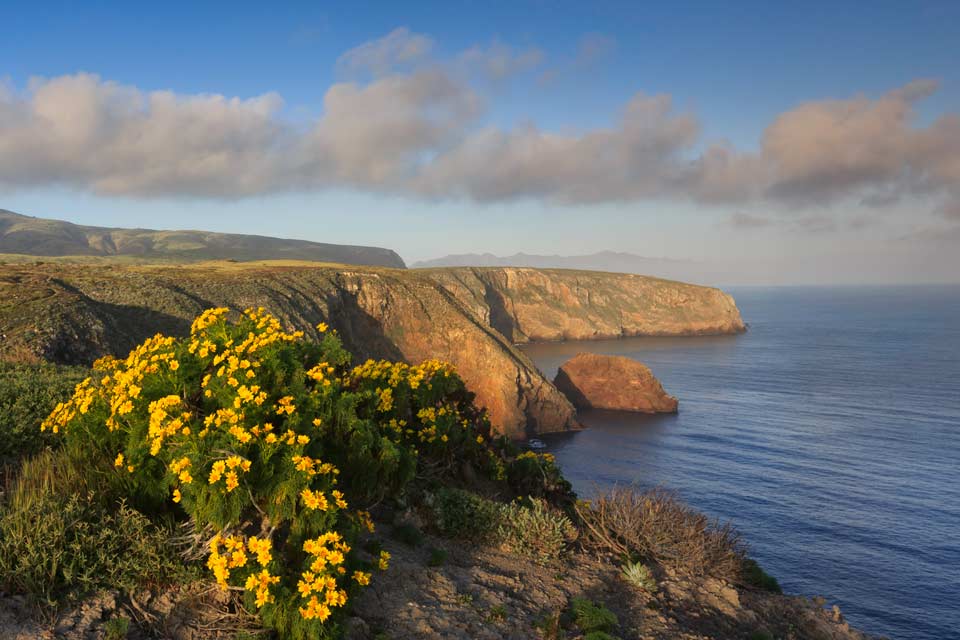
639, 575
534, 531
592, 617
752, 574
408, 534
275, 444
463, 514
438, 557
27, 395
116, 628
58, 537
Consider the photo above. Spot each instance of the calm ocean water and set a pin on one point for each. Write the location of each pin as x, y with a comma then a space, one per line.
829, 434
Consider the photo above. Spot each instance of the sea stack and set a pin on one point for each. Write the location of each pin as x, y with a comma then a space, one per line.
592, 381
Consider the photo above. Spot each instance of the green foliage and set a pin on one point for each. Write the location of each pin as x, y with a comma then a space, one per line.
116, 628
599, 635
277, 444
408, 534
537, 475
535, 531
59, 538
463, 514
551, 627
752, 574
27, 395
639, 575
498, 613
438, 557
592, 617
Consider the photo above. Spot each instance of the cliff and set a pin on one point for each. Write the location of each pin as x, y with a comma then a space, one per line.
556, 304
73, 313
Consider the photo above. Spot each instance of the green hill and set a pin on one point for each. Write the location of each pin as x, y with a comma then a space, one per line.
26, 235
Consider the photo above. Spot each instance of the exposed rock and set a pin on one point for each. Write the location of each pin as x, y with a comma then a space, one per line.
75, 313
529, 305
593, 381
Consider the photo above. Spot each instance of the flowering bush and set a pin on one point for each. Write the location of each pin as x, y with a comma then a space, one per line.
275, 444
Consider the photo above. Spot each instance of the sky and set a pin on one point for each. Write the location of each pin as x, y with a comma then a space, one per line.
786, 143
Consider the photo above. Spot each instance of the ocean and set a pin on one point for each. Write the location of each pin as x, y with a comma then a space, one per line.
829, 434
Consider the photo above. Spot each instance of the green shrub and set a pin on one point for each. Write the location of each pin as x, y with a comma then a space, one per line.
752, 574
438, 557
27, 395
639, 575
537, 475
534, 531
277, 444
116, 628
408, 534
59, 539
592, 617
599, 635
463, 514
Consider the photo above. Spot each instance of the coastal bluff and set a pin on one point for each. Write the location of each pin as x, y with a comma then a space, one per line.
74, 313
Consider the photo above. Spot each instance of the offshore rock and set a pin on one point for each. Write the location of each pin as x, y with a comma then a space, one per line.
594, 381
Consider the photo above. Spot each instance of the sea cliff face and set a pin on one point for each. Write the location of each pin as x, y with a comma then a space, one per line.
73, 314
558, 304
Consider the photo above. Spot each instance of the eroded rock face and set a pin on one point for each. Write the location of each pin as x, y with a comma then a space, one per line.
530, 305
592, 381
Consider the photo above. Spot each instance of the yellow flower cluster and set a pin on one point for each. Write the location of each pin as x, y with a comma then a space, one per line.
317, 500
228, 469
532, 455
318, 585
83, 396
163, 423
396, 372
233, 556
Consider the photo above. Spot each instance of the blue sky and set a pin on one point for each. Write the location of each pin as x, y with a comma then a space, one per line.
733, 69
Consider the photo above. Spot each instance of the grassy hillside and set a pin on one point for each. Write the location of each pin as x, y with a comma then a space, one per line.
25, 235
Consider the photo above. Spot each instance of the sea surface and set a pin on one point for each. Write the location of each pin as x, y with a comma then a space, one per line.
829, 433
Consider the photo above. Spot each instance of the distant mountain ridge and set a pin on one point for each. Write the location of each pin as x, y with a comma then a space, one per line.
612, 261
20, 234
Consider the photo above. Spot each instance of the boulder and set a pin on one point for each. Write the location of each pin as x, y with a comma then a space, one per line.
592, 381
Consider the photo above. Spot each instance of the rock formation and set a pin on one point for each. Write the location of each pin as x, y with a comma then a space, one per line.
74, 313
592, 381
529, 305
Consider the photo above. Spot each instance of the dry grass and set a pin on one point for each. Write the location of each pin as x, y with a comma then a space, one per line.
657, 526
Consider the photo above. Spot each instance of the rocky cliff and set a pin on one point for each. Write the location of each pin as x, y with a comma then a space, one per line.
74, 313
557, 304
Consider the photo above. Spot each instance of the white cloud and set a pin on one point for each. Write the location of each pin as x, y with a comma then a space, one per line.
416, 128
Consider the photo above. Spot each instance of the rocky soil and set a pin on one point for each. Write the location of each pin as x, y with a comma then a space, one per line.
592, 381
478, 593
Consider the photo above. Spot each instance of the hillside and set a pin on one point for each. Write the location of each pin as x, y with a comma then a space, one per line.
612, 261
471, 318
26, 235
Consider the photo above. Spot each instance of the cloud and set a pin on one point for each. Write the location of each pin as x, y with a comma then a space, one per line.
746, 221
498, 60
592, 48
414, 125
399, 48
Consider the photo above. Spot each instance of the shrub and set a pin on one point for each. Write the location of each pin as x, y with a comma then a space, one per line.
408, 534
268, 440
438, 557
534, 530
27, 395
639, 575
599, 635
116, 628
752, 574
657, 526
58, 537
463, 514
537, 474
592, 617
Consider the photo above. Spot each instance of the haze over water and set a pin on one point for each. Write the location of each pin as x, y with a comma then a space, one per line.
829, 434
